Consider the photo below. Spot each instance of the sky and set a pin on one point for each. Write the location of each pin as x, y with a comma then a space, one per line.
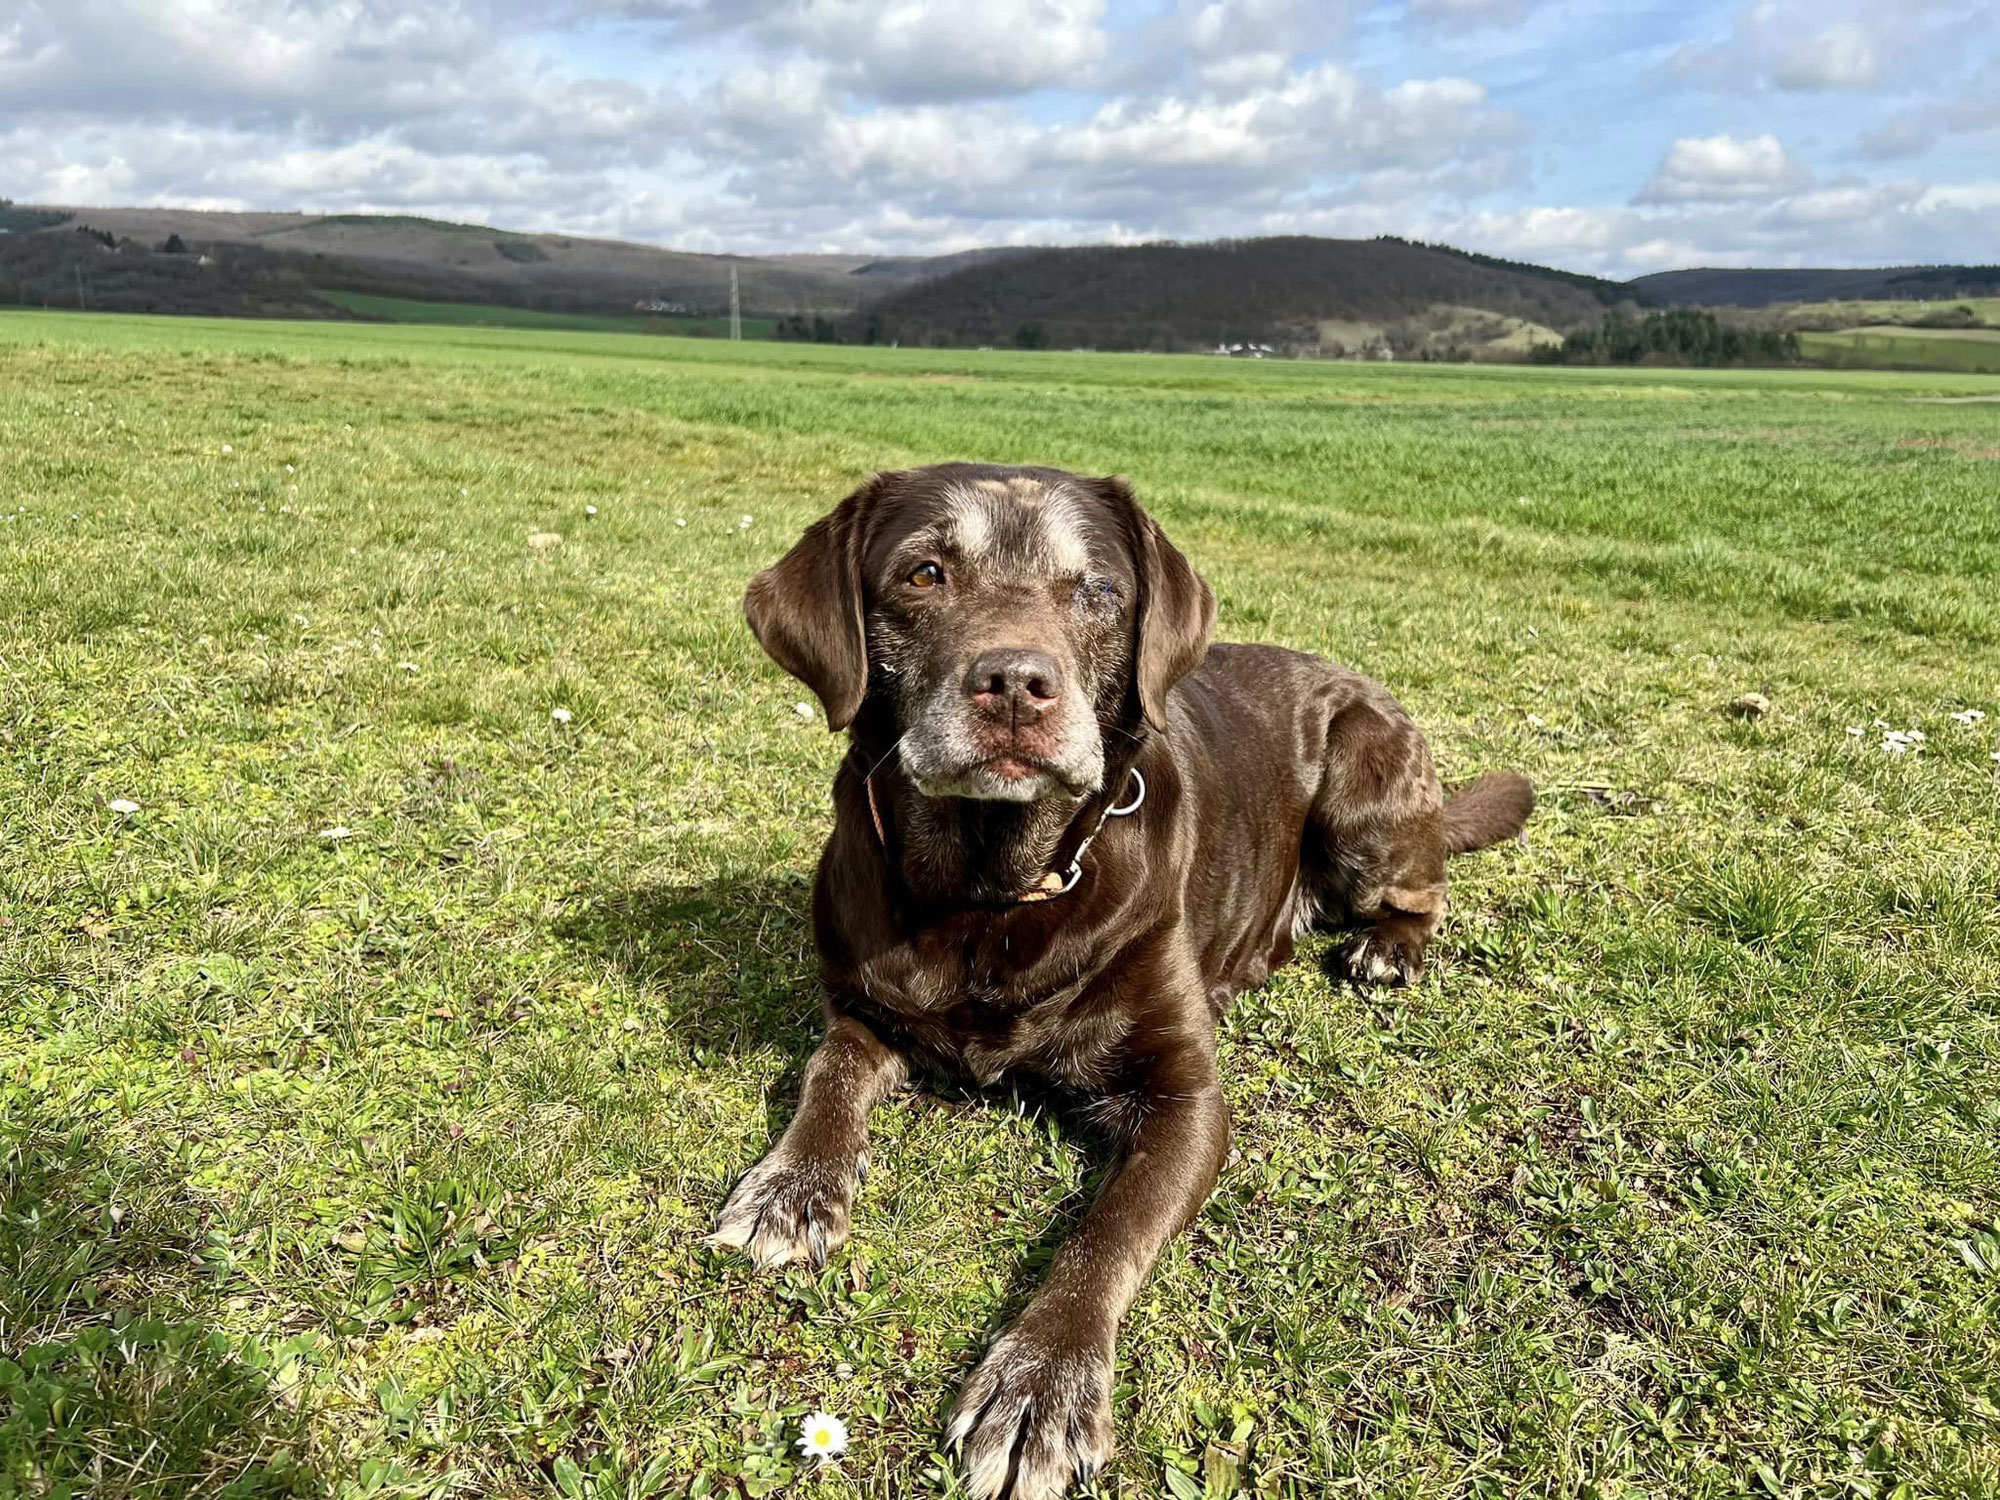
1612, 136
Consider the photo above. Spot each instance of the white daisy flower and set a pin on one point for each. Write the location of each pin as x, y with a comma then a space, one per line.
227, 449
407, 666
590, 510
1969, 716
123, 806
680, 521
1855, 730
823, 1436
336, 833
744, 523
561, 715
803, 710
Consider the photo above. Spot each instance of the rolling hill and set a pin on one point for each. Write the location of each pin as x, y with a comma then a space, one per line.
1277, 291
402, 255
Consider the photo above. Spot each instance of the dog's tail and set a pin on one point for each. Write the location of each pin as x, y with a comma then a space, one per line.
1493, 808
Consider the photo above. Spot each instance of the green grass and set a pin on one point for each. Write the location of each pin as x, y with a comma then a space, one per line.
378, 1164
489, 315
1972, 350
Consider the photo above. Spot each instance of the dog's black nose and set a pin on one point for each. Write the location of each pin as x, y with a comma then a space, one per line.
1016, 678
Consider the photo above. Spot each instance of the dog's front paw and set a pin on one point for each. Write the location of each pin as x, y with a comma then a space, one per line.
1389, 953
1036, 1415
789, 1208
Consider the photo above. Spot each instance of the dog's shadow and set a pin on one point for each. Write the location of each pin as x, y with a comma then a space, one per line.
727, 962
731, 959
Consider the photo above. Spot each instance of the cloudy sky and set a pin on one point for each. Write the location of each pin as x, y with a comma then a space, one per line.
1617, 136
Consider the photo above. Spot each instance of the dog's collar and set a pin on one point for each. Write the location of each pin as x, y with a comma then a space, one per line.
1052, 884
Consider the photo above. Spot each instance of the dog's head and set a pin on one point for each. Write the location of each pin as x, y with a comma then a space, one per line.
1006, 619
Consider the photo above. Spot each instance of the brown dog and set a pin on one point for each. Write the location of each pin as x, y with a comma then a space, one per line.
1068, 831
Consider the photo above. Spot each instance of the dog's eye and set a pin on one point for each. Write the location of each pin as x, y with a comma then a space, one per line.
1097, 593
928, 576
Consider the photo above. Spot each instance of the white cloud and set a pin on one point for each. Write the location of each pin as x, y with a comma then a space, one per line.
1223, 28
1807, 46
913, 50
1898, 223
1244, 70
1976, 197
1722, 167
1953, 107
1188, 164
1833, 206
1840, 57
1323, 120
893, 125
1549, 230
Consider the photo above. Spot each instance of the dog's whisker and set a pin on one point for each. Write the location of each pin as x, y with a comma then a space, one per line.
886, 754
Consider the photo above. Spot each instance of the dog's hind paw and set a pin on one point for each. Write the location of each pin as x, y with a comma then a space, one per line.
1035, 1417
789, 1208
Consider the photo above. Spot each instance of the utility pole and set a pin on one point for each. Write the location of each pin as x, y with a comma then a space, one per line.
735, 307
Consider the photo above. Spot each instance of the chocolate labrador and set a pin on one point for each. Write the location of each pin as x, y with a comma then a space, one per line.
1067, 831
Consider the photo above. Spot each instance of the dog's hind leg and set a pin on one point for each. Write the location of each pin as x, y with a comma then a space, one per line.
1374, 851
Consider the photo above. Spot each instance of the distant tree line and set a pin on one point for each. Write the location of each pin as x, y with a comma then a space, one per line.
15, 219
1767, 287
1676, 336
797, 328
1940, 282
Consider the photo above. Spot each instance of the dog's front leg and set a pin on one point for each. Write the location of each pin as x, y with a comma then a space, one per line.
794, 1204
1036, 1414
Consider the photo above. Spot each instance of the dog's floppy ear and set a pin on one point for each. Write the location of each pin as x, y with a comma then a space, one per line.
805, 609
1176, 608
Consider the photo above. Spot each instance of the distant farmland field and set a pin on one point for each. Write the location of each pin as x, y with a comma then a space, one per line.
404, 861
1973, 350
1986, 309
487, 315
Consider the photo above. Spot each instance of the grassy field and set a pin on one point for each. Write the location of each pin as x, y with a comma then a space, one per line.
491, 315
1972, 350
1986, 309
402, 868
